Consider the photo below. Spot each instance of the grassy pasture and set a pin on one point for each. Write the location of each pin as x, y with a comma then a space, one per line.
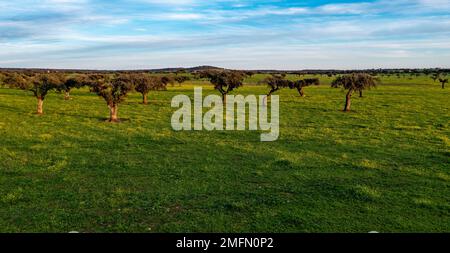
384, 166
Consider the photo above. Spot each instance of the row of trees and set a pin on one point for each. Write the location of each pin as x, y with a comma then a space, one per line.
113, 88
355, 82
227, 81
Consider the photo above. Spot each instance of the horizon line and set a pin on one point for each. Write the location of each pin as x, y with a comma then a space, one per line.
208, 66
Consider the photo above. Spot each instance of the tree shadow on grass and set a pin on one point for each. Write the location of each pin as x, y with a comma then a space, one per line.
80, 116
107, 120
16, 109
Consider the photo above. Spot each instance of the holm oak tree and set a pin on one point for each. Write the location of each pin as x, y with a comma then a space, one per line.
40, 84
144, 83
300, 84
443, 81
353, 82
276, 82
113, 89
69, 83
224, 81
181, 79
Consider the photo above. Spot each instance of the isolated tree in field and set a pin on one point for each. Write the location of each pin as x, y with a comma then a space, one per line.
40, 84
144, 83
300, 84
443, 81
224, 81
436, 76
113, 89
167, 79
180, 76
352, 83
181, 79
276, 82
69, 83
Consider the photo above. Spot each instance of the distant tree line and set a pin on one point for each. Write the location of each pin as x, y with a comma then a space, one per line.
114, 86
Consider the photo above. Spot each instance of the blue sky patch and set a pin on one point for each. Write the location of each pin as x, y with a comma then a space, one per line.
268, 34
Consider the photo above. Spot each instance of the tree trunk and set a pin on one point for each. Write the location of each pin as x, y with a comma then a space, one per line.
360, 94
348, 101
224, 99
40, 106
67, 95
144, 99
301, 91
113, 113
443, 85
267, 98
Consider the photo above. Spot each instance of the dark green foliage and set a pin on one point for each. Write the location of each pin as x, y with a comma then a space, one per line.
38, 83
443, 81
224, 81
41, 84
2, 77
144, 83
69, 83
308, 82
166, 79
15, 80
354, 82
181, 79
436, 76
113, 89
277, 82
300, 84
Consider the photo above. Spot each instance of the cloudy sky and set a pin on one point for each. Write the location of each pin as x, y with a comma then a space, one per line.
239, 34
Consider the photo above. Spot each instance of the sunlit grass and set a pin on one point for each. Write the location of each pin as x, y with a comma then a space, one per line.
383, 167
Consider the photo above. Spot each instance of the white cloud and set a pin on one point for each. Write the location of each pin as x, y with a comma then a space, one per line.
58, 33
355, 8
435, 3
182, 16
170, 2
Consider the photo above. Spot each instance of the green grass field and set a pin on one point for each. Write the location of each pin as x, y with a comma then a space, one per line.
384, 166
